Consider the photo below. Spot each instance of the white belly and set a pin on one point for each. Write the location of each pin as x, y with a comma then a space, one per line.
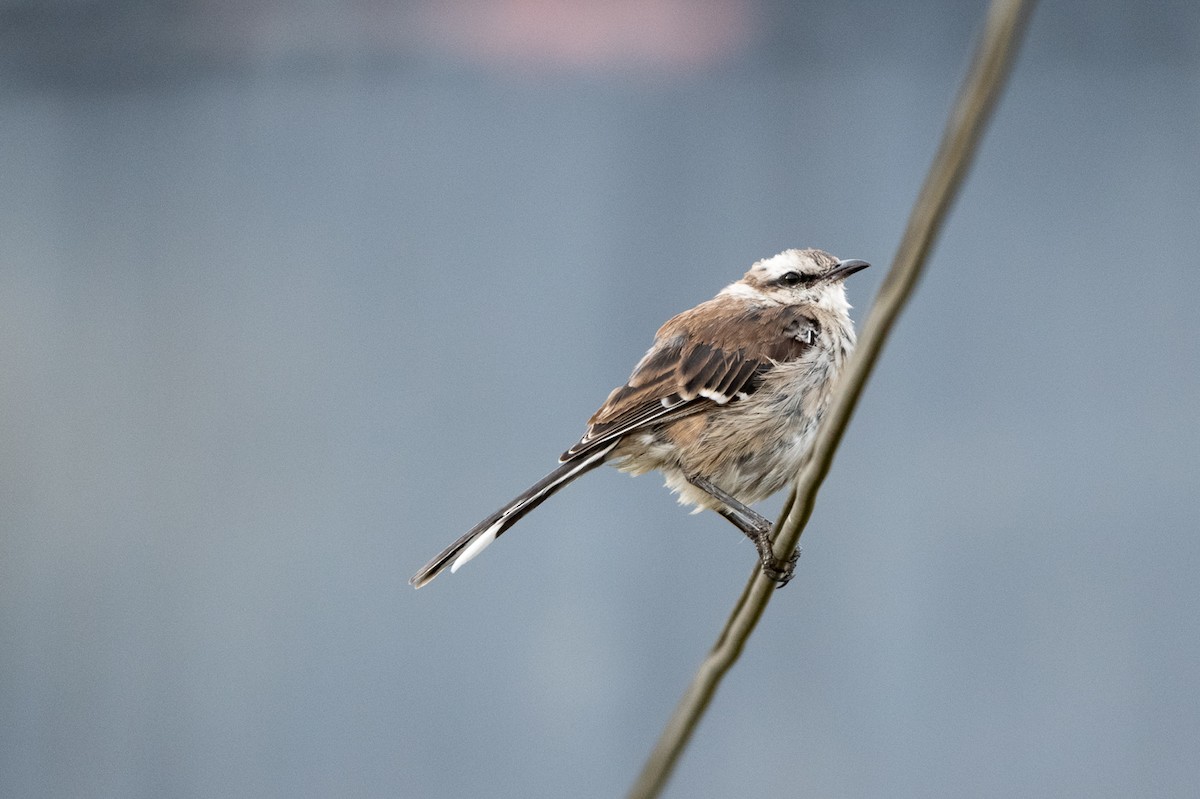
751, 448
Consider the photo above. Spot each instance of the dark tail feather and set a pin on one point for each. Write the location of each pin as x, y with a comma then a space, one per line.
478, 537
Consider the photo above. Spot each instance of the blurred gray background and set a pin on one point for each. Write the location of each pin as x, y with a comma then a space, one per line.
293, 294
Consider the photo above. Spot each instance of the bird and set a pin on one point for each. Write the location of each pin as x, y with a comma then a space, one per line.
725, 403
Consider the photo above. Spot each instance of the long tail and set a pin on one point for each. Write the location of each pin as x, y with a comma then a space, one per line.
478, 537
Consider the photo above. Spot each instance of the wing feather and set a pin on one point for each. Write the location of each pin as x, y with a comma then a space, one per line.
714, 354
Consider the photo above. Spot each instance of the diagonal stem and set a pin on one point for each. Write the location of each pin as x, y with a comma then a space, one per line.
994, 55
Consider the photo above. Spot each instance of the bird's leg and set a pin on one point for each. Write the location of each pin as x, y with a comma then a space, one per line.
756, 527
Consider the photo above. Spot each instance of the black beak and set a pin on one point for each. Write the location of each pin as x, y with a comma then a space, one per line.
845, 269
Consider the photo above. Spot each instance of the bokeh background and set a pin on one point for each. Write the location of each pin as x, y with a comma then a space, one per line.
291, 294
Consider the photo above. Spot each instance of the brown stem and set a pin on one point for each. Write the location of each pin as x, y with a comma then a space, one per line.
993, 57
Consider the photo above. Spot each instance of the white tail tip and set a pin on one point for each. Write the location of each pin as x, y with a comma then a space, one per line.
475, 547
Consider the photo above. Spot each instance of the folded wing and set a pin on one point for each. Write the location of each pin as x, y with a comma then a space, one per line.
716, 353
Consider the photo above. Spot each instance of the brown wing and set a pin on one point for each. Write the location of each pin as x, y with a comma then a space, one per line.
716, 353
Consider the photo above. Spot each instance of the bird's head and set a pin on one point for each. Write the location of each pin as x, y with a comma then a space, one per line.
798, 277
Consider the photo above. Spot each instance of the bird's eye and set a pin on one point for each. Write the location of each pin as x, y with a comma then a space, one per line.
791, 278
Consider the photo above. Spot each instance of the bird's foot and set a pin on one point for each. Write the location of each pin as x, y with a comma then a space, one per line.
780, 570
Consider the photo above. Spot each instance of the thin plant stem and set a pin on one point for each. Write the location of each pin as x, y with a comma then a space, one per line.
982, 86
